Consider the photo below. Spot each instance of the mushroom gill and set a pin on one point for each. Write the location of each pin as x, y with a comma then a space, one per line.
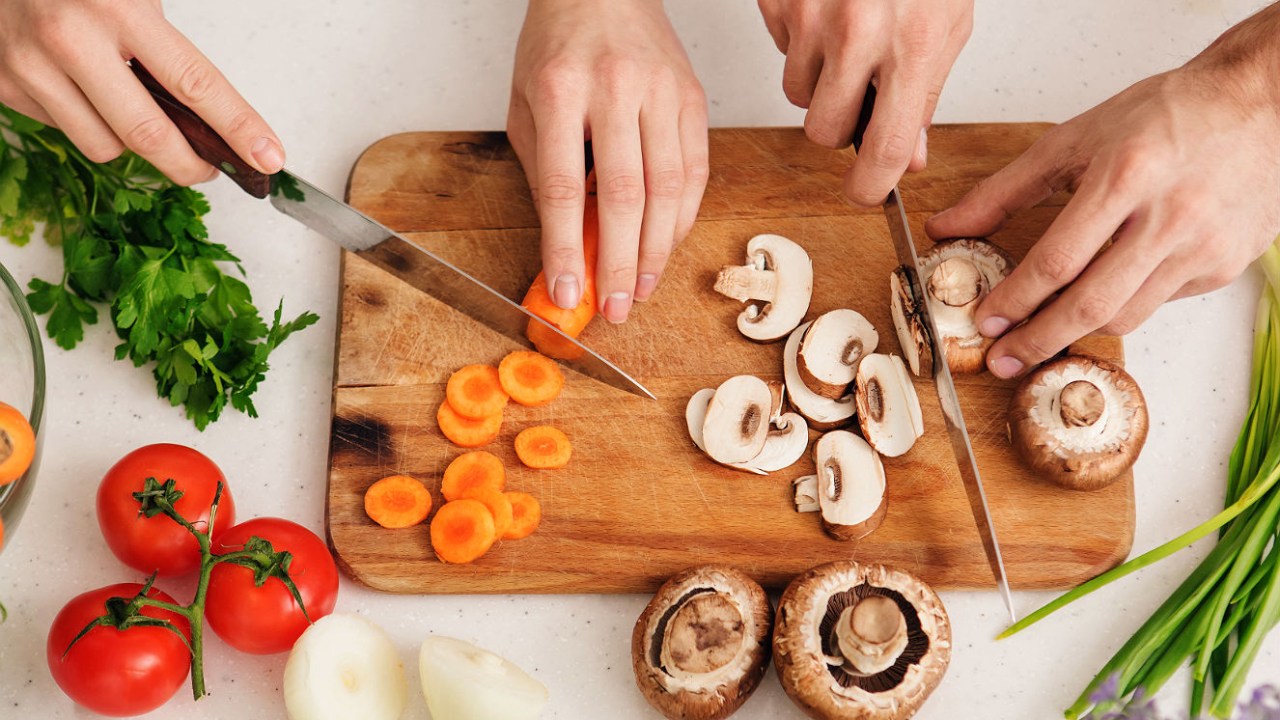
842, 606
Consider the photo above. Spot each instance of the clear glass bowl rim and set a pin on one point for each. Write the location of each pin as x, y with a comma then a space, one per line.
36, 412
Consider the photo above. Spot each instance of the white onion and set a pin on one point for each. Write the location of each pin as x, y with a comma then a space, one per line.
343, 667
464, 682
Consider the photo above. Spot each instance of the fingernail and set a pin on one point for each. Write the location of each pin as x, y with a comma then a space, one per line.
994, 326
645, 285
565, 292
922, 147
1006, 366
269, 155
616, 307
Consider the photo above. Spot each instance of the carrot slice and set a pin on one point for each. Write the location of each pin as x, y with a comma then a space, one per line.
17, 444
398, 501
543, 447
570, 322
475, 392
465, 432
470, 471
498, 504
530, 378
526, 513
462, 531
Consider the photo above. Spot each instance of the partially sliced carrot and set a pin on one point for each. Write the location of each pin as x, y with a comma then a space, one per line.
462, 531
398, 501
526, 513
470, 471
17, 444
570, 322
465, 432
543, 447
530, 378
498, 504
475, 392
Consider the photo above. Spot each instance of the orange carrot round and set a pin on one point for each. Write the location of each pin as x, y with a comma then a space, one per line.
498, 504
17, 444
529, 378
462, 531
543, 447
397, 501
526, 513
472, 470
465, 432
475, 392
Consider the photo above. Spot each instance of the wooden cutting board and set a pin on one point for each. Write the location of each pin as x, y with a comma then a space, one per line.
638, 502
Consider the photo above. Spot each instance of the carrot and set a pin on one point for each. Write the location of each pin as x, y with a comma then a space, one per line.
17, 444
470, 471
397, 501
570, 322
543, 447
529, 378
465, 432
526, 513
462, 531
475, 392
498, 504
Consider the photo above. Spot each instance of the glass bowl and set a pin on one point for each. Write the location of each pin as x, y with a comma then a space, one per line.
22, 386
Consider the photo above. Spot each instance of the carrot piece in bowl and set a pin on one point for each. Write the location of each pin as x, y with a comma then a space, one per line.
17, 444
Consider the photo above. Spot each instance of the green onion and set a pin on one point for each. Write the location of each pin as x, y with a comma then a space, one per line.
1218, 617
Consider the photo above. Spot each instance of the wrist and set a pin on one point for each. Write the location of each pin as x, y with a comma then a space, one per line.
1246, 58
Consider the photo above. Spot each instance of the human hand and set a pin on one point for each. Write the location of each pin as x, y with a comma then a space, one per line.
63, 62
612, 72
834, 48
1180, 169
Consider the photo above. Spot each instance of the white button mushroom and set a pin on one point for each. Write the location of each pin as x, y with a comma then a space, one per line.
779, 275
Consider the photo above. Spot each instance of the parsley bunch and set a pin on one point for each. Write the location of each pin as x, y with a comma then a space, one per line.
135, 242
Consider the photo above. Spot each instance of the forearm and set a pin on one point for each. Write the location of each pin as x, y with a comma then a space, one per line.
1248, 56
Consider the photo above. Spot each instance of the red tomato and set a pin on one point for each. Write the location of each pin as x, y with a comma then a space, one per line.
117, 672
267, 619
158, 544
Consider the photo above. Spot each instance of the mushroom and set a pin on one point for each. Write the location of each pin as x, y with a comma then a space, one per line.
823, 413
701, 646
957, 275
806, 493
851, 485
888, 407
831, 349
737, 421
1078, 421
907, 321
860, 641
786, 438
778, 274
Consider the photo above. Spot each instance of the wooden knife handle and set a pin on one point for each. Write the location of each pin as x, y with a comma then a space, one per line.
204, 140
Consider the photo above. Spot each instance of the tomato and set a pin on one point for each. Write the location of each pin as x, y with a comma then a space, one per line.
267, 619
158, 544
117, 672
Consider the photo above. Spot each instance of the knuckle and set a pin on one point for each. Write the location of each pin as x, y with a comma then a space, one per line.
697, 171
561, 190
1121, 325
148, 135
1132, 168
823, 132
622, 190
891, 150
562, 256
197, 81
655, 259
1095, 311
102, 151
243, 124
665, 183
1054, 266
618, 77
620, 275
1036, 348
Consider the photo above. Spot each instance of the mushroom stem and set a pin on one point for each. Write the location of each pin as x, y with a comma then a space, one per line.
956, 282
747, 282
703, 636
1081, 404
872, 634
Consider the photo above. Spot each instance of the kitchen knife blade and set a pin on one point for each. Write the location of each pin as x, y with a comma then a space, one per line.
376, 243
953, 418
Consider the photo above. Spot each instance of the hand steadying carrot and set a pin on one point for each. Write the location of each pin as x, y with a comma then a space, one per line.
570, 322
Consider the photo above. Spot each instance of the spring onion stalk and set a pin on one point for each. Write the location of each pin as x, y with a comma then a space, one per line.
1217, 619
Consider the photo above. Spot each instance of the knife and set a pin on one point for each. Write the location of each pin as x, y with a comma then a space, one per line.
952, 416
376, 243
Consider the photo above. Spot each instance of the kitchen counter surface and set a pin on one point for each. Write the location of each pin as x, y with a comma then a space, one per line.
332, 77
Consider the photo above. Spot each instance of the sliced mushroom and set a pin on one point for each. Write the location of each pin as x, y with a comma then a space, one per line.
1078, 421
860, 641
823, 413
737, 421
957, 275
785, 442
851, 485
806, 493
779, 275
831, 349
888, 407
912, 336
701, 646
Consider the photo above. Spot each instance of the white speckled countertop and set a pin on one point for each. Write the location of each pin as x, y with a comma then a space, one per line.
333, 77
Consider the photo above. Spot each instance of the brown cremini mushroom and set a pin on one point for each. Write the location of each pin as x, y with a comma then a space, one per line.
851, 485
823, 413
957, 275
1078, 421
909, 325
888, 406
701, 646
860, 642
777, 281
831, 349
786, 436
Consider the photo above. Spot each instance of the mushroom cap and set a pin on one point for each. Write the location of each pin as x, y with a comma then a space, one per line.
736, 424
965, 347
851, 485
831, 349
823, 413
1084, 456
888, 406
719, 693
779, 274
801, 650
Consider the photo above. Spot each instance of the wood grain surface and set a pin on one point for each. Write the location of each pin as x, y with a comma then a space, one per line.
638, 502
